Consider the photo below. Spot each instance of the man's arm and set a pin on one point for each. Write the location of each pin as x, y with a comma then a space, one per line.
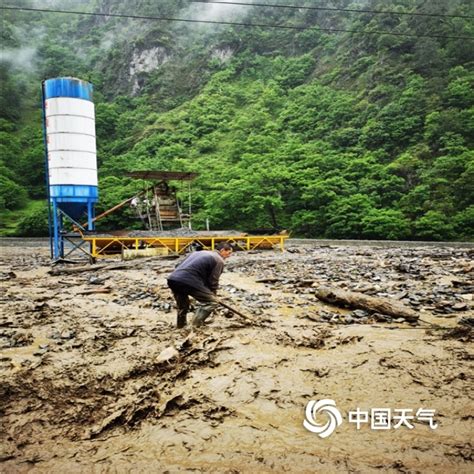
215, 275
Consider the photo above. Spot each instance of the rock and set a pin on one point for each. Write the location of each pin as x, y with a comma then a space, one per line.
7, 276
382, 317
67, 334
467, 321
359, 313
400, 295
167, 355
93, 280
21, 339
463, 333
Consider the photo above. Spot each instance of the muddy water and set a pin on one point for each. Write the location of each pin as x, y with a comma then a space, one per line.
103, 397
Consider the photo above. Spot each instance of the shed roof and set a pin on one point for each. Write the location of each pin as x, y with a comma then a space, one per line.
162, 175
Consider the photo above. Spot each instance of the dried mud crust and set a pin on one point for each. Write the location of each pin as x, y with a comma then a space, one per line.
94, 375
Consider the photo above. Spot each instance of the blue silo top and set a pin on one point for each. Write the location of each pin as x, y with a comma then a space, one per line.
67, 87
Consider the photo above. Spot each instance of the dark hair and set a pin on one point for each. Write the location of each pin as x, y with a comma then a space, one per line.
224, 246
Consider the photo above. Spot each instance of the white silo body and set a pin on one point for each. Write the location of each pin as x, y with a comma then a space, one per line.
70, 137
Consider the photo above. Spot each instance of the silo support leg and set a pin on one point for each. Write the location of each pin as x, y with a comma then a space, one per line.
61, 237
90, 216
55, 232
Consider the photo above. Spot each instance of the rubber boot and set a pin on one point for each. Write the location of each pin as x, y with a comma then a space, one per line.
181, 321
201, 314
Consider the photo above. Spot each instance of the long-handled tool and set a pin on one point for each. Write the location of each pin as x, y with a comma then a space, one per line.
236, 311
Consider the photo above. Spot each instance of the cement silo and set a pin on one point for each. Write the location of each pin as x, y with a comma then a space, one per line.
71, 164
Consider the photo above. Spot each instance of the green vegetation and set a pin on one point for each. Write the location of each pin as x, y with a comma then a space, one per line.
29, 221
327, 135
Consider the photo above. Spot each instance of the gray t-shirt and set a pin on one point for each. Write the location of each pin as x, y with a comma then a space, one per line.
201, 270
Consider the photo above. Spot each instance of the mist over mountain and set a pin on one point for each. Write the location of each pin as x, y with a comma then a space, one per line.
346, 125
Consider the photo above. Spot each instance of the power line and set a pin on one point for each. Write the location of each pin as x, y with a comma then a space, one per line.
334, 9
231, 23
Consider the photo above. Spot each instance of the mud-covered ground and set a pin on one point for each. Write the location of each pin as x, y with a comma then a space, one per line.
96, 379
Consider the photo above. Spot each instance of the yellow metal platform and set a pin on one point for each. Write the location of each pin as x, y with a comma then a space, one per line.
103, 247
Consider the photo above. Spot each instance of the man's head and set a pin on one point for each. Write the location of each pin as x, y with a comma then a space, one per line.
225, 250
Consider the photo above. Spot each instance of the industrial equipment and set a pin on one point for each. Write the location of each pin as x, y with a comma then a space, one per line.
71, 162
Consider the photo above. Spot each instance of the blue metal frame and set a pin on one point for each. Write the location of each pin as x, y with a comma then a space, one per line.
46, 170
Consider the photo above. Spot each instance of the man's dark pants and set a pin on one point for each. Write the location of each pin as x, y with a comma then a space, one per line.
182, 292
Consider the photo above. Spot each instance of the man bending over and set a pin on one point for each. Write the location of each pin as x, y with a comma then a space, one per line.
198, 276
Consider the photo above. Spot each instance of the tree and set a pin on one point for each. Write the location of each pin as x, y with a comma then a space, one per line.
460, 90
385, 224
34, 224
464, 223
12, 195
433, 226
345, 216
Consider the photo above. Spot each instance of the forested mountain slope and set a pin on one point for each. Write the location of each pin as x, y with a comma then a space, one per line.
337, 134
